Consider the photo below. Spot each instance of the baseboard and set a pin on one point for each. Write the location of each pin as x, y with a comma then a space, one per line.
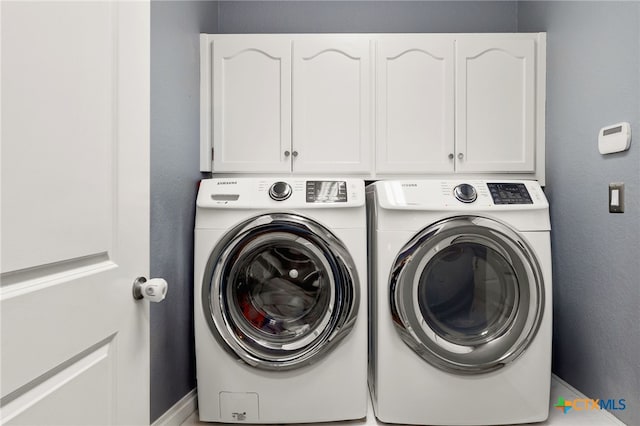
180, 411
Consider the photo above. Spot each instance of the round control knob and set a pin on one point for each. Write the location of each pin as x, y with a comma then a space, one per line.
465, 193
280, 191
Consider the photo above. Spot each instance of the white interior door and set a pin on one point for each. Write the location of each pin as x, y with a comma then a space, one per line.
75, 212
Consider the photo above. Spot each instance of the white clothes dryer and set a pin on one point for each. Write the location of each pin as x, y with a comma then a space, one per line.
280, 297
460, 293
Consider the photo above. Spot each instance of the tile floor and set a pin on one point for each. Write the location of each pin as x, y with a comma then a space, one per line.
556, 417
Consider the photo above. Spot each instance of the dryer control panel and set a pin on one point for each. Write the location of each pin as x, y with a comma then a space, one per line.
462, 195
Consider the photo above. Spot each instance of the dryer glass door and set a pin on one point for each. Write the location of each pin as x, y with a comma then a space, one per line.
468, 294
279, 291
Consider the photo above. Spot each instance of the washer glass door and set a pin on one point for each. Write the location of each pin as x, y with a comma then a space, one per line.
280, 291
467, 294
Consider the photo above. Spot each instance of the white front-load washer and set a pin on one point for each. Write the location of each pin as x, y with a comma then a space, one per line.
280, 297
460, 294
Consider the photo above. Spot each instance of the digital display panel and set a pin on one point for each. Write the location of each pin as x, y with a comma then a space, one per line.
509, 193
326, 191
612, 131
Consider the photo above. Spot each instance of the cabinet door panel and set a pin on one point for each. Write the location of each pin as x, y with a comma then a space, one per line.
331, 105
251, 105
415, 81
495, 105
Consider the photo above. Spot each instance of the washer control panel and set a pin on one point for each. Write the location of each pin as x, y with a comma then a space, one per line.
324, 191
509, 193
281, 192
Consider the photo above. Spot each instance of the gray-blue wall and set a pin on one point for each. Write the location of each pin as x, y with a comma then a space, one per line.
593, 80
175, 106
366, 16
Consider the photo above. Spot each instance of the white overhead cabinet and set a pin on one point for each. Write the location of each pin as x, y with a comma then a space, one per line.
374, 105
332, 105
495, 105
280, 104
460, 103
415, 104
251, 105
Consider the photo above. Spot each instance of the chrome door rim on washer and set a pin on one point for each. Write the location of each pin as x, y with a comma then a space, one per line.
490, 349
272, 351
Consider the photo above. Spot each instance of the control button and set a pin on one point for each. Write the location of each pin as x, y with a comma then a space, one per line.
465, 193
280, 191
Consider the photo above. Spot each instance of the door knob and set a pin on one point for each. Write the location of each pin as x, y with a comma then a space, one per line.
460, 156
287, 153
154, 290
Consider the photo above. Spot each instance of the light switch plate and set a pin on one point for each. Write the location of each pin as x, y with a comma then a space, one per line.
616, 197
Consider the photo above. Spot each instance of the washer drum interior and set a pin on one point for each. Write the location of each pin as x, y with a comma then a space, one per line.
280, 291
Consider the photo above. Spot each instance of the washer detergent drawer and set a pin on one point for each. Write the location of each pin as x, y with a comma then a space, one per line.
239, 407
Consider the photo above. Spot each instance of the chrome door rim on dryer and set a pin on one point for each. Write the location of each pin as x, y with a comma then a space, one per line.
468, 349
268, 338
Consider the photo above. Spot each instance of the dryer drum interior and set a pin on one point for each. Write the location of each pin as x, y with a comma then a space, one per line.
467, 294
279, 291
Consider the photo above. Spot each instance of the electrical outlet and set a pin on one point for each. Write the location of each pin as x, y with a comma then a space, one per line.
616, 197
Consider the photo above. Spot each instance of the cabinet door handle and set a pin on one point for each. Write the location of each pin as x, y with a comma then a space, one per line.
287, 153
451, 156
460, 156
294, 153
